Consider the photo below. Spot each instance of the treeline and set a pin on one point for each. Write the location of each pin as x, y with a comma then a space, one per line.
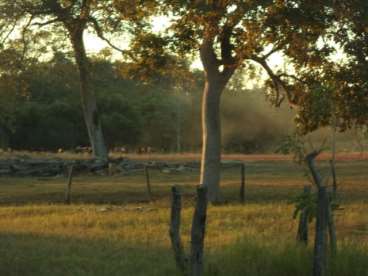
42, 111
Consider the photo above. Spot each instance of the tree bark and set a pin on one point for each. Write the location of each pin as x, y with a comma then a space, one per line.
88, 98
216, 80
176, 243
211, 140
198, 233
302, 235
332, 231
333, 158
320, 245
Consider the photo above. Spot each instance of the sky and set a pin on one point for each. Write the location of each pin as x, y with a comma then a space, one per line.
160, 23
94, 44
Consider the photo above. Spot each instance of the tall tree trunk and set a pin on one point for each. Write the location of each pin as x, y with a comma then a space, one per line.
4, 138
211, 140
88, 98
178, 124
333, 155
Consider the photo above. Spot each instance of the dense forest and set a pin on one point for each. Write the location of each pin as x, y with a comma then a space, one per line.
45, 113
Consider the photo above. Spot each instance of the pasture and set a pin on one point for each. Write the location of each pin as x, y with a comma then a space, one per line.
111, 228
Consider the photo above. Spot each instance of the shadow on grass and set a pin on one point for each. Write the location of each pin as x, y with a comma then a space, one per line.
27, 254
252, 257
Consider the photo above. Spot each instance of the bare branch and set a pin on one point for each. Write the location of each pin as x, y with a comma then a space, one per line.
7, 35
100, 34
274, 50
278, 83
42, 24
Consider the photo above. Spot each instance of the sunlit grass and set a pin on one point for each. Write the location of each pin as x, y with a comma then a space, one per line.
112, 229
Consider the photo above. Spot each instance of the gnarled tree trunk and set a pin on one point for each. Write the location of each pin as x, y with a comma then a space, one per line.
88, 99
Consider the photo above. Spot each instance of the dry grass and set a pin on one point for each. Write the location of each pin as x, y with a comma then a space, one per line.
111, 229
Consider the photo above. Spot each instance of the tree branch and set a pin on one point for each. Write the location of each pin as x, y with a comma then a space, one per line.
100, 34
274, 50
292, 77
278, 83
42, 24
6, 36
229, 62
23, 37
226, 46
310, 159
85, 10
208, 57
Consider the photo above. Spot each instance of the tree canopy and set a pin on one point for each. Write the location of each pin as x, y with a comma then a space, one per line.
229, 35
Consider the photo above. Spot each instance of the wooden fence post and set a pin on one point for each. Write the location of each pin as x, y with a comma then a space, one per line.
110, 168
198, 233
176, 243
302, 235
242, 183
148, 182
320, 252
68, 188
334, 180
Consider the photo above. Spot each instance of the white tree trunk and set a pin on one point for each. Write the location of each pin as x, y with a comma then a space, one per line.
88, 99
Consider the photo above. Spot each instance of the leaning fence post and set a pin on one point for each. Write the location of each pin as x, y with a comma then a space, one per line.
174, 232
198, 232
148, 182
68, 188
302, 235
242, 183
320, 252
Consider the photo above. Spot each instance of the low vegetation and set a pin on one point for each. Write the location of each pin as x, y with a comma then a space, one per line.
112, 229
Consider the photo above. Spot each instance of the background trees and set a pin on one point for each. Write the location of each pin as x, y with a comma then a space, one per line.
52, 19
245, 35
134, 114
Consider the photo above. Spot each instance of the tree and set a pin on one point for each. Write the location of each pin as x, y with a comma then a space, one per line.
72, 17
42, 99
13, 88
340, 94
231, 34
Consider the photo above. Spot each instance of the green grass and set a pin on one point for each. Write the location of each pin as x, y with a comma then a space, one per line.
111, 228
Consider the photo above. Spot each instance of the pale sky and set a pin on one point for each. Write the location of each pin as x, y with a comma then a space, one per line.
161, 23
95, 44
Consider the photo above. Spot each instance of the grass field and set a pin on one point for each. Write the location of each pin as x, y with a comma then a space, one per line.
112, 229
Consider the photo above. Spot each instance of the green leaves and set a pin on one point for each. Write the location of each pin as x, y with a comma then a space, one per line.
305, 202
